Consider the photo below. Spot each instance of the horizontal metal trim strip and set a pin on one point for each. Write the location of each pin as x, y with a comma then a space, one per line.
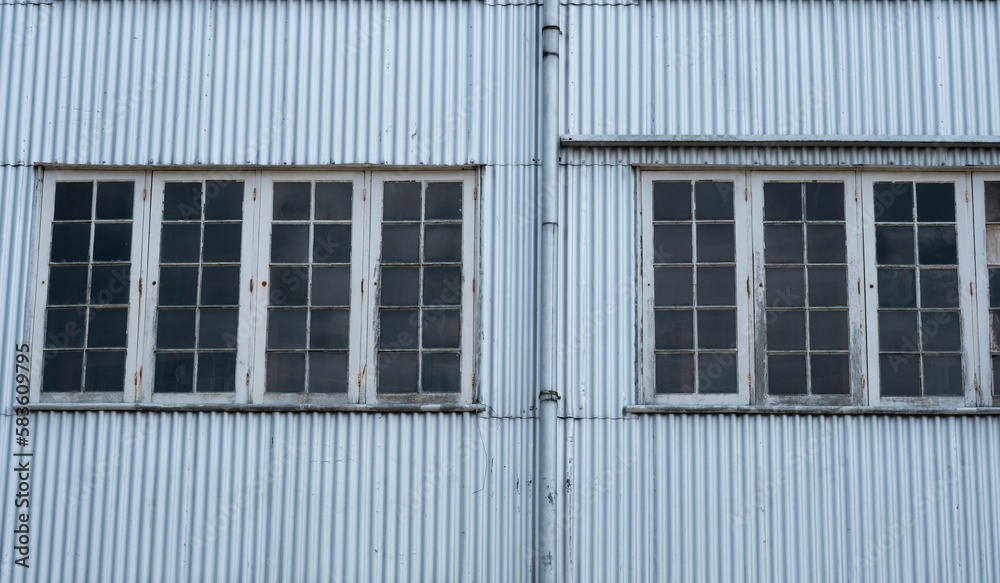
629, 140
253, 167
269, 408
828, 411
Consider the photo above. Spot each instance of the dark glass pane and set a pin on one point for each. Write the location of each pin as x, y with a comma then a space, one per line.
827, 244
717, 373
716, 243
400, 243
894, 245
674, 373
182, 201
782, 201
996, 375
786, 374
674, 329
830, 374
175, 328
897, 332
108, 328
178, 286
397, 372
289, 243
223, 201
63, 371
216, 372
286, 372
782, 244
897, 288
716, 286
332, 244
398, 329
786, 330
68, 284
942, 331
401, 202
110, 284
105, 371
943, 376
672, 286
330, 330
444, 201
217, 328
286, 329
893, 201
73, 201
333, 201
71, 243
174, 373
114, 202
825, 201
937, 246
440, 372
222, 242
65, 327
995, 330
993, 202
827, 286
671, 201
935, 202
900, 375
716, 329
289, 285
939, 288
180, 243
112, 242
828, 330
328, 372
331, 286
443, 243
291, 201
994, 287
442, 286
784, 287
713, 200
672, 244
442, 329
220, 286
399, 286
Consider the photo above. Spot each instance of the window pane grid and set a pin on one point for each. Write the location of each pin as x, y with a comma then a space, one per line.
992, 204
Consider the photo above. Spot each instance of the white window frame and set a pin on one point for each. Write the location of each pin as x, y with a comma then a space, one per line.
984, 357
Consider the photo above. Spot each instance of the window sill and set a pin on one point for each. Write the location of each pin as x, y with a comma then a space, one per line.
831, 411
259, 408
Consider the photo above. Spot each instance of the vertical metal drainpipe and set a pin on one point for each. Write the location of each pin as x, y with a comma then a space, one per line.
547, 484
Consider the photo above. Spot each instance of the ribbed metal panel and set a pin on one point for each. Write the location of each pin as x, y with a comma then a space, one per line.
17, 240
784, 67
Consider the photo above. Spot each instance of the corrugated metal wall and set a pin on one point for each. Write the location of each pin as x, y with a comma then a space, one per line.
328, 497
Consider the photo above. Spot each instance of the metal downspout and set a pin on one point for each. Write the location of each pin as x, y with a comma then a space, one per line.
546, 534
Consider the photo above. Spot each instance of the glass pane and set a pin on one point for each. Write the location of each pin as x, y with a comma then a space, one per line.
672, 201
992, 202
900, 375
68, 284
223, 201
286, 329
222, 242
828, 330
217, 328
114, 202
73, 201
401, 202
825, 201
672, 244
827, 244
65, 327
672, 286
331, 286
286, 372
442, 286
786, 374
894, 245
399, 286
675, 373
289, 285
784, 287
782, 243
994, 288
716, 243
332, 244
827, 286
782, 201
216, 372
71, 243
330, 330
443, 243
937, 246
897, 288
333, 201
397, 372
897, 332
943, 375
63, 371
942, 331
993, 244
440, 372
939, 288
713, 200
996, 375
174, 372
401, 243
786, 330
182, 201
674, 329
175, 328
717, 373
830, 374
893, 201
716, 286
935, 202
444, 201
220, 286
108, 328
328, 372
109, 284
442, 329
716, 329
289, 243
178, 286
180, 243
105, 371
291, 201
398, 329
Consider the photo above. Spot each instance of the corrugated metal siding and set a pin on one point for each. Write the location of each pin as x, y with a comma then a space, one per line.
784, 67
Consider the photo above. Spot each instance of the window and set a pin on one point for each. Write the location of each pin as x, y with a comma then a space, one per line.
851, 288
257, 287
